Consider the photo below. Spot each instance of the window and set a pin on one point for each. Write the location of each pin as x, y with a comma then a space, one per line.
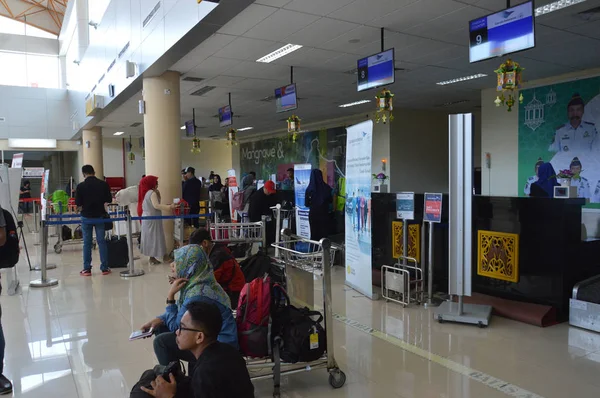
29, 70
96, 9
13, 27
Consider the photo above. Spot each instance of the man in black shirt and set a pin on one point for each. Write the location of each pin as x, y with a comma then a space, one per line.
191, 192
220, 370
261, 202
91, 196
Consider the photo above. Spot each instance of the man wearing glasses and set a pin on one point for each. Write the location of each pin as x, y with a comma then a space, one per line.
220, 370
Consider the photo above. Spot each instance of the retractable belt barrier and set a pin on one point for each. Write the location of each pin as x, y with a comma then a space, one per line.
76, 219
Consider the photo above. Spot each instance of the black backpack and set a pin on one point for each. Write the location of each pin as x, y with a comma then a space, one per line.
9, 253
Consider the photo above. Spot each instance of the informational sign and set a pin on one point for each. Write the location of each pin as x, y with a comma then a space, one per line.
302, 177
17, 161
10, 182
405, 205
43, 193
359, 142
433, 207
33, 172
233, 189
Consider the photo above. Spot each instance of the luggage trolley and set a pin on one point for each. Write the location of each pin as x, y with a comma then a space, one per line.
314, 257
403, 283
283, 220
71, 214
240, 233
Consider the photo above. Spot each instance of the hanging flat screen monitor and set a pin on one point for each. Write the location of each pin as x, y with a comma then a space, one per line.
225, 118
190, 129
285, 98
376, 70
502, 33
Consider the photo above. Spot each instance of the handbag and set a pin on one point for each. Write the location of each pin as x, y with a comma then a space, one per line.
108, 225
183, 381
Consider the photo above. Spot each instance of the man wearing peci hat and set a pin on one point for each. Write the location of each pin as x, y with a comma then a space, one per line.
576, 135
533, 178
581, 183
192, 188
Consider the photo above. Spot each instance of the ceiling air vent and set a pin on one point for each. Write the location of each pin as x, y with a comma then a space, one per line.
151, 15
136, 124
203, 90
192, 79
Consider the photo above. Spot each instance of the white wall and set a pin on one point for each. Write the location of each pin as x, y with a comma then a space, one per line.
112, 151
499, 137
419, 151
28, 44
34, 113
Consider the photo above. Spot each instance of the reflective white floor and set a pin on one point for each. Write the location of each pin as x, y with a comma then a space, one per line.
71, 341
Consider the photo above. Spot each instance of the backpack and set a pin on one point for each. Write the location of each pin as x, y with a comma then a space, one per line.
237, 201
303, 338
260, 264
66, 233
252, 318
9, 253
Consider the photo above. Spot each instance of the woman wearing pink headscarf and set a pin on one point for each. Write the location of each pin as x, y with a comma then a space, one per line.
153, 236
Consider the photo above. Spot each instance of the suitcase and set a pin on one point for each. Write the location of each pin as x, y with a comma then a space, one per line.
118, 252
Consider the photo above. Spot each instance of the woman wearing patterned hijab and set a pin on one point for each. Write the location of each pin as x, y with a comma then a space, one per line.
194, 280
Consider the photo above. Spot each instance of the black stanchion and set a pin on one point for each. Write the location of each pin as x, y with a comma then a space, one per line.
131, 271
44, 281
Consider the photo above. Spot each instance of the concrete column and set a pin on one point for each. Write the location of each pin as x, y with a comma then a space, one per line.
92, 150
162, 138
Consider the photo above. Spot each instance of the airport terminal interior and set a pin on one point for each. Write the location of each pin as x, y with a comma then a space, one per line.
425, 174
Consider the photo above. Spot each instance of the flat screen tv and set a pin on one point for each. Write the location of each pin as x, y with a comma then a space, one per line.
285, 98
502, 33
225, 118
375, 71
190, 129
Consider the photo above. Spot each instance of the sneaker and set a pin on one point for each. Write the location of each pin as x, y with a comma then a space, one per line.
5, 385
86, 272
106, 271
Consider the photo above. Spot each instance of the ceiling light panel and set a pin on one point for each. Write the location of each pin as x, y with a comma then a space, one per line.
555, 6
461, 79
280, 52
354, 103
119, 133
245, 128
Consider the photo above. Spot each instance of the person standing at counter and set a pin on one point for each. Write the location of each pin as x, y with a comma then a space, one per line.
533, 178
318, 199
544, 187
192, 188
288, 182
25, 193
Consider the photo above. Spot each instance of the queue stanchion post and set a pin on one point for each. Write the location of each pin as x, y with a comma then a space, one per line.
431, 302
131, 271
263, 232
36, 227
277, 228
44, 281
43, 242
182, 225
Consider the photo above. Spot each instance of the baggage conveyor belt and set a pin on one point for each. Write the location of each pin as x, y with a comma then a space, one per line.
584, 306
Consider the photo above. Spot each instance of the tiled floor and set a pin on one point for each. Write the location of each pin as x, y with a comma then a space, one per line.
71, 341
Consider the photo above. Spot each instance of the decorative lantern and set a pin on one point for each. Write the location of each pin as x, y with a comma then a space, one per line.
385, 106
195, 145
231, 137
509, 80
131, 157
293, 124
129, 148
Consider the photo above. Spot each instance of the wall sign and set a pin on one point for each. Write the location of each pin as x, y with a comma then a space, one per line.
405, 205
433, 207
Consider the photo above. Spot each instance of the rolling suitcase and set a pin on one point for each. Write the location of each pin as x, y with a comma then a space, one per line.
118, 252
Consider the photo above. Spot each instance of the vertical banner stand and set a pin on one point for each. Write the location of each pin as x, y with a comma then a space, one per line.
43, 237
460, 221
131, 272
44, 281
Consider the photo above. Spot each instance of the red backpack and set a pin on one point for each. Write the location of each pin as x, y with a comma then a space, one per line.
253, 315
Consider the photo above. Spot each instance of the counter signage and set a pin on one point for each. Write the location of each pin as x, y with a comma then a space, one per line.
17, 161
302, 176
405, 205
433, 207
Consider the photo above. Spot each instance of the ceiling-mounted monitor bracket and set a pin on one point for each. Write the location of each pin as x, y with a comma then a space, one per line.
291, 75
507, 3
382, 39
230, 108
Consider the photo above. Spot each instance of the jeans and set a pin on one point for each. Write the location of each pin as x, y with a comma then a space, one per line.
2, 344
87, 230
166, 350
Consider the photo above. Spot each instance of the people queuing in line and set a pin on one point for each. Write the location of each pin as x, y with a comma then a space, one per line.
195, 282
153, 243
288, 181
260, 205
25, 193
5, 384
192, 188
93, 196
319, 199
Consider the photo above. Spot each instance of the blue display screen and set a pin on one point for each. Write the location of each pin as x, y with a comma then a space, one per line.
190, 129
285, 98
225, 116
502, 33
375, 71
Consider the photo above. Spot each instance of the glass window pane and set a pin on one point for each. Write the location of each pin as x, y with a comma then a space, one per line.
42, 71
11, 26
13, 69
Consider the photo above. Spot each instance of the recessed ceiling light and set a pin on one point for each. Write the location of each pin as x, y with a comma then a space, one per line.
461, 79
280, 52
182, 127
555, 6
245, 128
119, 133
354, 103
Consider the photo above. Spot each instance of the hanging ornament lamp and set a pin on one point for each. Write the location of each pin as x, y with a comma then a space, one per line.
231, 137
509, 81
195, 145
143, 154
131, 157
385, 106
293, 127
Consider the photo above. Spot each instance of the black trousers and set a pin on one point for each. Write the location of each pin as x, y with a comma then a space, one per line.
166, 350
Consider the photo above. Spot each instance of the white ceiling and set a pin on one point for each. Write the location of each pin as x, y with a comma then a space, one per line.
430, 38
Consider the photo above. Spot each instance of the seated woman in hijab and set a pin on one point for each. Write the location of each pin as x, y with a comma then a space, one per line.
544, 187
194, 281
318, 199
